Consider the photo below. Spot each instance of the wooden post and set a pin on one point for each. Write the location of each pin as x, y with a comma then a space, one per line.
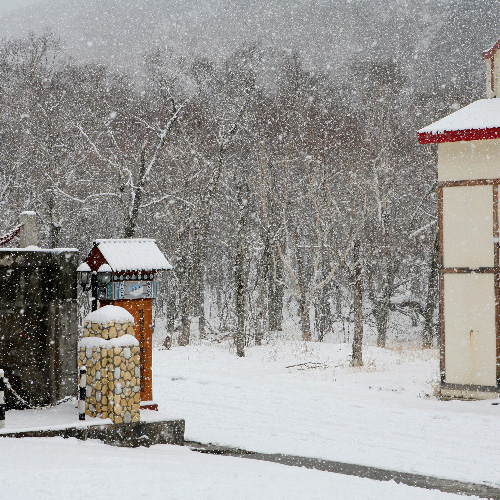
142, 311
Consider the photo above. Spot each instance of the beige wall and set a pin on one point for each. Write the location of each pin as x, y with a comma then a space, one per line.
468, 226
489, 92
469, 299
470, 346
497, 73
458, 161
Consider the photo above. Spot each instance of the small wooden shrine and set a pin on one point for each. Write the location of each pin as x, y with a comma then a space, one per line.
132, 265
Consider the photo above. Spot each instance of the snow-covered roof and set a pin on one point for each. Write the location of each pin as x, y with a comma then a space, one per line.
479, 120
132, 255
83, 267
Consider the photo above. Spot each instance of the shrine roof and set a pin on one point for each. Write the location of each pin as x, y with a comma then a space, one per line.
132, 254
477, 121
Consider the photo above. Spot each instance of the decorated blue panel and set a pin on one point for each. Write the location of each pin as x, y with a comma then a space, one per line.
118, 290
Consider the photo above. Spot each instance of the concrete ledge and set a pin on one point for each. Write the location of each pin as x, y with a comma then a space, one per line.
127, 435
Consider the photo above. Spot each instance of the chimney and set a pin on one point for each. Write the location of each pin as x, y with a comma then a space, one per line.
28, 236
492, 59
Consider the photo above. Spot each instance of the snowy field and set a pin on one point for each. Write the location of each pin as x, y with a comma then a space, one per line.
58, 469
287, 397
384, 414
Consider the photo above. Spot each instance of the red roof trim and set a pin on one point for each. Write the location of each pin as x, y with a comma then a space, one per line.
10, 235
459, 135
488, 54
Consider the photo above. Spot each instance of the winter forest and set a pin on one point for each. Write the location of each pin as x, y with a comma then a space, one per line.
277, 184
270, 147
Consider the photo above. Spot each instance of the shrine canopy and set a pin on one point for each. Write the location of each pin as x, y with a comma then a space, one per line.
125, 256
477, 121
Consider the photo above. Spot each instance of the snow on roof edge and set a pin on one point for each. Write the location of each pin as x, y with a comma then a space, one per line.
479, 115
123, 240
34, 248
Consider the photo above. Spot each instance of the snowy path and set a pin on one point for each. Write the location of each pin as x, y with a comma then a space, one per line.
58, 469
372, 418
363, 471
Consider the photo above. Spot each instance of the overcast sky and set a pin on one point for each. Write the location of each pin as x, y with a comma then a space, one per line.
7, 5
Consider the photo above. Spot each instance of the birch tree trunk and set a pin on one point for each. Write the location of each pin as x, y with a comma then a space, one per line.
323, 313
305, 320
204, 220
264, 277
276, 291
240, 273
357, 343
382, 305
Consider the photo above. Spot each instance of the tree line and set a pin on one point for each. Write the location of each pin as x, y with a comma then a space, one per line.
268, 185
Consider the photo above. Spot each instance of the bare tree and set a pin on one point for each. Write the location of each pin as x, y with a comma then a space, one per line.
357, 342
133, 170
240, 269
227, 129
305, 276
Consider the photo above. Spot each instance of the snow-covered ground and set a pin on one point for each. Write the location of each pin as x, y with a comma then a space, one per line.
58, 469
287, 397
384, 414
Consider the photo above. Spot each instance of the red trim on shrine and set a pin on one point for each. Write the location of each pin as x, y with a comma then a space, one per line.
149, 405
